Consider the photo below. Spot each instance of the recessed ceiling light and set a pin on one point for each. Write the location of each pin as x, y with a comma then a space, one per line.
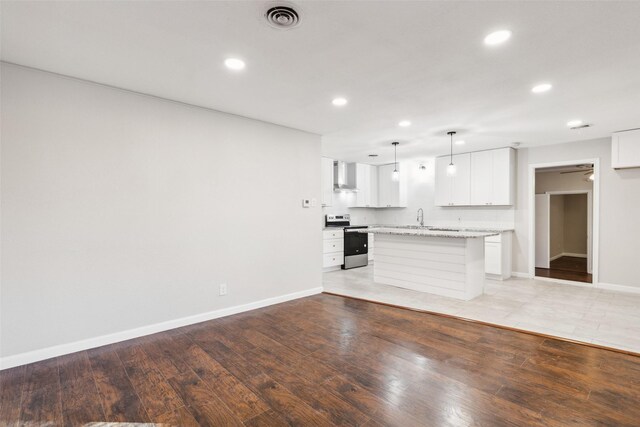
542, 87
234, 64
339, 102
459, 142
497, 37
574, 123
404, 123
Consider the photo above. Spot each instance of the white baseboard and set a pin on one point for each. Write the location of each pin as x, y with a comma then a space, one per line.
62, 349
574, 255
571, 254
619, 288
555, 257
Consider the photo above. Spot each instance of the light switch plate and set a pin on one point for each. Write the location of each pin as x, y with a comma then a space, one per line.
306, 203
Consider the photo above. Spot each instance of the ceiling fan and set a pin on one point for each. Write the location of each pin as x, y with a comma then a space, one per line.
585, 169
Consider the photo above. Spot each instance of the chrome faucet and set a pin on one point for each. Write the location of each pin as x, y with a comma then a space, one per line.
420, 217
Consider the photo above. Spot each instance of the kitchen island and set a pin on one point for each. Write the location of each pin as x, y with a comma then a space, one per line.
442, 262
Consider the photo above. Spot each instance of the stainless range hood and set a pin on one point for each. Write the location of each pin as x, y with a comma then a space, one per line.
344, 176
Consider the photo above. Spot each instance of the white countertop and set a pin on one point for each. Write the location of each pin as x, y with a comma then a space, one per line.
423, 232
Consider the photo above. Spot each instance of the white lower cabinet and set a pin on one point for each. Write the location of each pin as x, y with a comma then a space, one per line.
332, 248
370, 247
497, 256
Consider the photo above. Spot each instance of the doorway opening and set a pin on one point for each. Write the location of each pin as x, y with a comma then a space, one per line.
563, 244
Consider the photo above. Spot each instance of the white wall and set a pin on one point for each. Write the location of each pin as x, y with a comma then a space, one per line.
619, 208
121, 210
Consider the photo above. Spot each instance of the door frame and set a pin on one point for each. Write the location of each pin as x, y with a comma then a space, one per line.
589, 194
595, 230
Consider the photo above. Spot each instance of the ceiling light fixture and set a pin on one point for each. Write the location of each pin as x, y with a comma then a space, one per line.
574, 123
234, 64
497, 37
451, 168
339, 102
404, 123
460, 142
395, 175
542, 87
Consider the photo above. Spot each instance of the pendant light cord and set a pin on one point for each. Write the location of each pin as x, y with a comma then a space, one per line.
451, 155
451, 133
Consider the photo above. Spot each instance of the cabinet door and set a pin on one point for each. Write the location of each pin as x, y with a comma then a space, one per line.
327, 181
443, 183
385, 185
362, 183
373, 186
482, 177
502, 179
492, 258
625, 149
461, 187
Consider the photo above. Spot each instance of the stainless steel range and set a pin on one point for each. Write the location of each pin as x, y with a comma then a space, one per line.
355, 244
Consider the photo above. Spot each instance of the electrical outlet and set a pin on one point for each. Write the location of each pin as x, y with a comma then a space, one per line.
223, 289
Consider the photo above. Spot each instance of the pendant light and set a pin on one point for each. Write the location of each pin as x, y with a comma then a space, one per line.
451, 168
396, 175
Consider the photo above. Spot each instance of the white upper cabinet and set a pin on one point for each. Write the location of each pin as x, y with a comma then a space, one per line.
327, 181
492, 177
483, 178
504, 177
391, 194
453, 190
625, 149
367, 184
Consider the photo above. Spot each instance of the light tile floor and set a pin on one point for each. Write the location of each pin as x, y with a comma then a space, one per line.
584, 314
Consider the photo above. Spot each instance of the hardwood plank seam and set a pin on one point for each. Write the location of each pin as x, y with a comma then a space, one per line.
95, 384
133, 388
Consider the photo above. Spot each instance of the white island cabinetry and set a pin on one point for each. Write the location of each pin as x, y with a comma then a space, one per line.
450, 264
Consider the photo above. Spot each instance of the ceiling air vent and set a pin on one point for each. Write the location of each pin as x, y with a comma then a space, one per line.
586, 125
282, 17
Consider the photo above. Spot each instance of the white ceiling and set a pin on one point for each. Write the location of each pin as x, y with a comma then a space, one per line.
420, 61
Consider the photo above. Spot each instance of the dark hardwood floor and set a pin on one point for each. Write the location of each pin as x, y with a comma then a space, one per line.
328, 360
567, 268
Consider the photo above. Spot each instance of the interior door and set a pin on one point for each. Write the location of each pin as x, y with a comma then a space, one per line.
542, 230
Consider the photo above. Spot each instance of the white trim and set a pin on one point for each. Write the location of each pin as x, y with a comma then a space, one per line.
553, 258
571, 254
619, 288
595, 241
59, 350
574, 255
